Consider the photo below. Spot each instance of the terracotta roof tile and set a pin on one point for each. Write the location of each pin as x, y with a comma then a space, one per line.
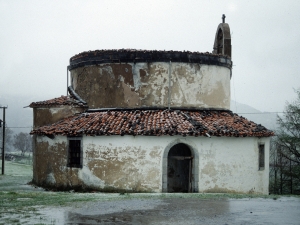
63, 100
156, 123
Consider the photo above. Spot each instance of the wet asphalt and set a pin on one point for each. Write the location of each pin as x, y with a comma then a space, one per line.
285, 210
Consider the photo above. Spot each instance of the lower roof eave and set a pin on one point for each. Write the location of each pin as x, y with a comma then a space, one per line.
156, 122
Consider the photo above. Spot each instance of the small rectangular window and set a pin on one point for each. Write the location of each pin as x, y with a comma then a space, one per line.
261, 157
75, 152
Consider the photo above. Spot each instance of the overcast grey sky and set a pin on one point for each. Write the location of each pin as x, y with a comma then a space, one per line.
39, 37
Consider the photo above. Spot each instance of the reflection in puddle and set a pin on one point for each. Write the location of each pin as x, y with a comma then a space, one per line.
172, 211
168, 211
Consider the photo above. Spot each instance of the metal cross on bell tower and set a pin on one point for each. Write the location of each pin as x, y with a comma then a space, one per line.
223, 18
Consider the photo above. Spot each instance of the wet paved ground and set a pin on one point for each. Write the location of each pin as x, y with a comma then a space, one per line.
285, 210
143, 208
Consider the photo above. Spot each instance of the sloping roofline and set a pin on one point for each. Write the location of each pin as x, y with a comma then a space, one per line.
155, 123
73, 99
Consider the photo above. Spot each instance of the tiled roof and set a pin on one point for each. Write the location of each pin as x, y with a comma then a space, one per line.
156, 122
63, 100
137, 55
128, 50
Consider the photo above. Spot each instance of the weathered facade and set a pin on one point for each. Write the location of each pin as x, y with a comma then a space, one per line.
150, 121
175, 79
140, 163
48, 112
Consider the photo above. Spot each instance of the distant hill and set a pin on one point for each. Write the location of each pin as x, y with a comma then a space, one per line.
266, 119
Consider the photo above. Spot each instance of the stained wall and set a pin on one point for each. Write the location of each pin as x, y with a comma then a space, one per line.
137, 163
49, 115
156, 84
231, 165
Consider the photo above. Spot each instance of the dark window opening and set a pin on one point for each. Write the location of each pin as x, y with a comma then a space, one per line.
75, 153
261, 157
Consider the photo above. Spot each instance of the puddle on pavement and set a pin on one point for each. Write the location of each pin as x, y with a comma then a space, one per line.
173, 211
34, 216
284, 210
141, 211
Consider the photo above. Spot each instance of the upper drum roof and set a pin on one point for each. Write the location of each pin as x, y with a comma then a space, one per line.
135, 55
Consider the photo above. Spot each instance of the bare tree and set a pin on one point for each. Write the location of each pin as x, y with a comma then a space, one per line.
8, 138
22, 142
285, 152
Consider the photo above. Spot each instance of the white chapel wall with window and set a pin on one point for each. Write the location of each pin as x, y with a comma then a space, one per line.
221, 164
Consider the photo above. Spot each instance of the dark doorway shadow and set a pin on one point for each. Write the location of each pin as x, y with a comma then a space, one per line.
179, 171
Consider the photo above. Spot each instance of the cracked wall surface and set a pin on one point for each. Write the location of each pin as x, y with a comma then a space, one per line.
159, 84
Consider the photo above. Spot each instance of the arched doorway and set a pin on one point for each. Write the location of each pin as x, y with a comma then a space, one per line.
179, 169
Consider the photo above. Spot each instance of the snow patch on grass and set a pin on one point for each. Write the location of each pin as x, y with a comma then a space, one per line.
89, 178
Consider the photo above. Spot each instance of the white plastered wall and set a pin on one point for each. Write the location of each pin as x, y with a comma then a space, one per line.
231, 165
138, 163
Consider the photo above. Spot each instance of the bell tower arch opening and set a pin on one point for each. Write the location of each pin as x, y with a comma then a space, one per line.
222, 43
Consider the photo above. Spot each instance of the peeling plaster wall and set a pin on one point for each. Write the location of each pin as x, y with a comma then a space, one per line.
221, 164
125, 163
231, 165
50, 115
133, 85
130, 163
50, 163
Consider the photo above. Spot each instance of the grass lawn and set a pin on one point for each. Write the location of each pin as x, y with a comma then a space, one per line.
15, 177
17, 169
